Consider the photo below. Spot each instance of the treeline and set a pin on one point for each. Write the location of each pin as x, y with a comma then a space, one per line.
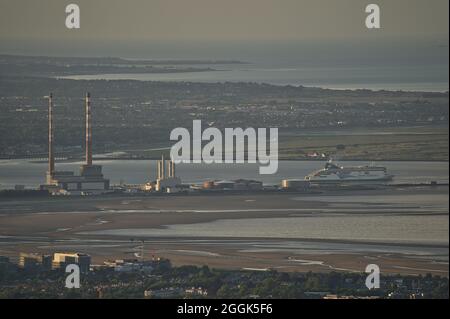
222, 284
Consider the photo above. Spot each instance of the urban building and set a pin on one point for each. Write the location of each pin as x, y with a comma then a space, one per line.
6, 266
61, 260
120, 265
4, 259
196, 292
35, 261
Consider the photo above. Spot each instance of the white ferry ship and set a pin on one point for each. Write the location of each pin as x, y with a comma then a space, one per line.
334, 174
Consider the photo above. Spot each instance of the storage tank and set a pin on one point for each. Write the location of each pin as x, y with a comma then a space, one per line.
208, 184
295, 184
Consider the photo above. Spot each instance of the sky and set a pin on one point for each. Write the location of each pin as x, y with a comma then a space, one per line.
220, 19
107, 25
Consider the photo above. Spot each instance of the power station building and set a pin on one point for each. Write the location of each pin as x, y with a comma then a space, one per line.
91, 177
166, 182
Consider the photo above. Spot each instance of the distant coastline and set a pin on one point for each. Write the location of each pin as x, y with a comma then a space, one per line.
404, 78
60, 67
220, 76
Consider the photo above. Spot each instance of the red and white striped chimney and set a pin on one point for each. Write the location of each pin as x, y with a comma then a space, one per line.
88, 130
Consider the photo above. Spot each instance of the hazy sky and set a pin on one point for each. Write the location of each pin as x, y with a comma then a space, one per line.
220, 19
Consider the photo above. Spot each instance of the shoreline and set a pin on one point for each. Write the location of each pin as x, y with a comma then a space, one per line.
133, 77
51, 226
76, 160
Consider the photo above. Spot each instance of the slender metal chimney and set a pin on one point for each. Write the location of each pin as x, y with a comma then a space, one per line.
169, 168
51, 157
163, 167
172, 169
158, 169
88, 130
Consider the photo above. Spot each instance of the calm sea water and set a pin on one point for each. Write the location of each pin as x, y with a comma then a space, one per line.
391, 64
32, 174
413, 219
382, 229
407, 78
405, 227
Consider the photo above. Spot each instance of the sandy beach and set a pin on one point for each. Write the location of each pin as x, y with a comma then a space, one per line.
114, 227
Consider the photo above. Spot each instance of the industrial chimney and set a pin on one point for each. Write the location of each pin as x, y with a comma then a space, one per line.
88, 130
91, 176
171, 169
51, 158
163, 167
158, 170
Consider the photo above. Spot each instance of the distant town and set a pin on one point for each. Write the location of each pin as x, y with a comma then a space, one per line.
43, 276
136, 117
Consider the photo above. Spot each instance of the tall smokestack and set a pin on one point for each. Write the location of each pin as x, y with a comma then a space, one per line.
163, 167
169, 168
172, 169
51, 158
88, 130
158, 169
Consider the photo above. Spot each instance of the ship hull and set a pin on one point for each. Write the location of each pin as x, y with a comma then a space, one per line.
369, 181
333, 174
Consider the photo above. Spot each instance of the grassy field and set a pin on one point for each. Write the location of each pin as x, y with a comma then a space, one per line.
412, 143
420, 143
